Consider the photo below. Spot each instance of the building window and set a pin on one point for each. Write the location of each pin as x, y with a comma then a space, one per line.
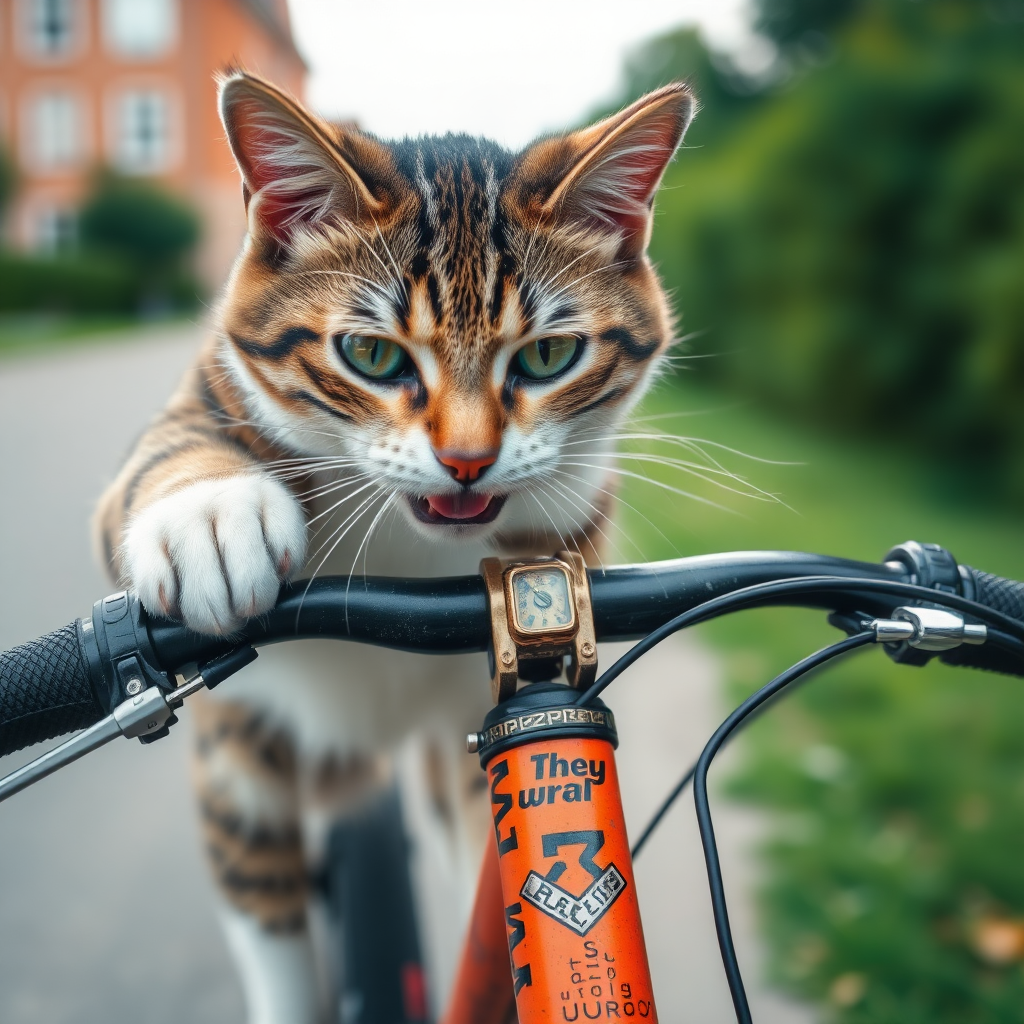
140, 28
142, 132
51, 27
54, 229
55, 131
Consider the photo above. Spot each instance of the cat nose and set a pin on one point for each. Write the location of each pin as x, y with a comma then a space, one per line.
466, 466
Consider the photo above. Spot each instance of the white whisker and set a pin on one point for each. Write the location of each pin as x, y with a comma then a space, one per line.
655, 483
622, 501
352, 519
328, 511
570, 496
570, 493
364, 543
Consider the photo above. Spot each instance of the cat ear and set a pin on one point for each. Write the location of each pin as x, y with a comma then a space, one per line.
606, 175
297, 169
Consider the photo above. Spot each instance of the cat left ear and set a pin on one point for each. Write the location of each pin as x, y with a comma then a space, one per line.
298, 169
606, 175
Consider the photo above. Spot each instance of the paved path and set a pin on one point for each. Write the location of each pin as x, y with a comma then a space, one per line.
105, 907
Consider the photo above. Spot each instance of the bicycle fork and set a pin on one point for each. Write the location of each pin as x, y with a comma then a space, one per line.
568, 921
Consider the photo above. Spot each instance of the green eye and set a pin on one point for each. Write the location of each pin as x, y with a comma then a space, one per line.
376, 358
547, 357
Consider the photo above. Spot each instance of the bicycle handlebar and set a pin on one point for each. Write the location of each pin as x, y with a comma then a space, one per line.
449, 615
63, 681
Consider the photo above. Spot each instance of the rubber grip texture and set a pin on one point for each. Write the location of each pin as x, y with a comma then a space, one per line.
44, 691
1002, 595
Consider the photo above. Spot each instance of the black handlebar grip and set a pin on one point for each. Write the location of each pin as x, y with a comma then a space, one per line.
45, 691
997, 593
1001, 595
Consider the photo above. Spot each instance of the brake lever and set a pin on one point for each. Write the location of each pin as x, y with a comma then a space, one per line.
141, 716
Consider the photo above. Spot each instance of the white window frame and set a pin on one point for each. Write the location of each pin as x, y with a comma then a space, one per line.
25, 32
32, 159
50, 241
117, 98
116, 44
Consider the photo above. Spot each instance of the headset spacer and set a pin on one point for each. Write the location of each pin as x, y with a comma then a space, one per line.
541, 711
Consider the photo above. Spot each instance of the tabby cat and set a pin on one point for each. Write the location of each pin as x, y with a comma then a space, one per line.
419, 358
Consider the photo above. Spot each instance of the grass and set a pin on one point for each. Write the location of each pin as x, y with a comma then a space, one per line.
893, 888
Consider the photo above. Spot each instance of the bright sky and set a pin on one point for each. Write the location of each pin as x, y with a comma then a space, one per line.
507, 70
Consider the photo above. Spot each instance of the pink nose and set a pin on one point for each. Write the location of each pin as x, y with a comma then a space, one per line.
467, 466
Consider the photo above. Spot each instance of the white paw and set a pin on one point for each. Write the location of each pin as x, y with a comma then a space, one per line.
216, 553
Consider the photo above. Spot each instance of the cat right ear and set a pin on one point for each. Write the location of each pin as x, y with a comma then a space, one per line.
296, 170
605, 176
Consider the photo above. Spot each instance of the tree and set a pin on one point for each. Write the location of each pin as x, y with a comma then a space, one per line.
860, 243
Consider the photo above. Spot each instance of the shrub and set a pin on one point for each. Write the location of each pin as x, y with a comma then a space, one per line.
8, 180
153, 229
67, 284
135, 240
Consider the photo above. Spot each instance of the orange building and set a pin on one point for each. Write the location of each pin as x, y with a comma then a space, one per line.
128, 84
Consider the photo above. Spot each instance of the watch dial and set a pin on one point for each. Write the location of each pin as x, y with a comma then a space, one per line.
542, 600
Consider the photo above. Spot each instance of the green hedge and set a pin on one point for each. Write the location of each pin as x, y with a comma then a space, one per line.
86, 283
66, 284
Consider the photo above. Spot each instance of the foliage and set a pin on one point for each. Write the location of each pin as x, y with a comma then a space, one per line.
852, 244
30, 332
795, 24
724, 97
855, 241
80, 283
134, 243
8, 180
898, 792
65, 283
148, 226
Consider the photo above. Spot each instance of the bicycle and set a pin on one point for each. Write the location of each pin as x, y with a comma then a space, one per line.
556, 926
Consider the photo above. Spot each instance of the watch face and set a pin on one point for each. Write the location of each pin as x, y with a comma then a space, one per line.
541, 600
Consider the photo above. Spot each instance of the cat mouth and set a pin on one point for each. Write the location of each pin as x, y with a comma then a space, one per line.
467, 509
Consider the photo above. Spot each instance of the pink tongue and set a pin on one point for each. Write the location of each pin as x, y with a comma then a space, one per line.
458, 506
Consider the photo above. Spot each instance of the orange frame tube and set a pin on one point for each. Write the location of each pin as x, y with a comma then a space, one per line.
566, 914
570, 900
483, 985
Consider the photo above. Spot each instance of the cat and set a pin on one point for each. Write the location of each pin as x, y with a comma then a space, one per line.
419, 359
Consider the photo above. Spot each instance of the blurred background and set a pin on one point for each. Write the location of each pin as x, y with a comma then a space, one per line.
843, 238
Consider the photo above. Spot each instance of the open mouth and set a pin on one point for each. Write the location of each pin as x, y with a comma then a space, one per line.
468, 509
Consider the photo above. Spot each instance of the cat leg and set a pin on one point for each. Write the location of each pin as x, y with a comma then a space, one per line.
334, 787
246, 777
448, 818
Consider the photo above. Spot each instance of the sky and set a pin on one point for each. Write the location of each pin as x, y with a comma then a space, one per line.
509, 70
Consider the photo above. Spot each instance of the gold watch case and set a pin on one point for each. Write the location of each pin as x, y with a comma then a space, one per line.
540, 608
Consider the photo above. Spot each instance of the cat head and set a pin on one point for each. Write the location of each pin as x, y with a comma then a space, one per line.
457, 324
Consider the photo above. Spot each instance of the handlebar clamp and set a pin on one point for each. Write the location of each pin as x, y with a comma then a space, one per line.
931, 566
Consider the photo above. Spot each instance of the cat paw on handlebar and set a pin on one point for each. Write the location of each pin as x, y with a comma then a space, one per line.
216, 552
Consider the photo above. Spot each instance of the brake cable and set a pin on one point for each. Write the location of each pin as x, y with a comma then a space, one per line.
700, 799
997, 638
754, 596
